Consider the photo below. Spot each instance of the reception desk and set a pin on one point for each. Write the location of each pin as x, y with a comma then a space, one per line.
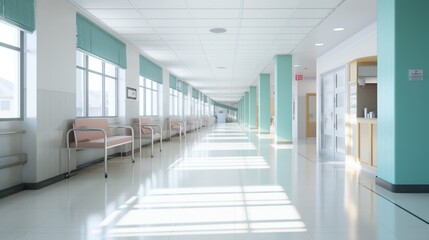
362, 144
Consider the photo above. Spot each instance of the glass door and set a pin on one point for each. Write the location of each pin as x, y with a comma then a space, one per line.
333, 115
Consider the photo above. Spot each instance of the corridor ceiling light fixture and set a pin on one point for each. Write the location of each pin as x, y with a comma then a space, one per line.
296, 65
339, 29
218, 30
319, 44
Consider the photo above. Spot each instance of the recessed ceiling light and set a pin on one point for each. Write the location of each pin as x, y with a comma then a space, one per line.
218, 30
296, 65
339, 29
319, 44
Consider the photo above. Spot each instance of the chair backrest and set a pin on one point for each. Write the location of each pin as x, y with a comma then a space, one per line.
90, 123
148, 120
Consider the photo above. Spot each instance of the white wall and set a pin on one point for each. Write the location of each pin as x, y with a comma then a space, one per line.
305, 86
362, 44
55, 93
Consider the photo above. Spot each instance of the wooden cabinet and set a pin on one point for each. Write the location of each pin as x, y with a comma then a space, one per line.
367, 135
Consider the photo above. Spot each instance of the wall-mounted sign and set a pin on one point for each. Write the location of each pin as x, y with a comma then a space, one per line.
415, 74
299, 76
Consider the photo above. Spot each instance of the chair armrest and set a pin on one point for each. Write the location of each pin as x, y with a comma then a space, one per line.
84, 130
127, 127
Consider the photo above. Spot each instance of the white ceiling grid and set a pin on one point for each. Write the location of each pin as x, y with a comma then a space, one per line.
176, 34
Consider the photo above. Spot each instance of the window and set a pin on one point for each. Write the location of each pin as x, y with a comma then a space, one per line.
149, 95
11, 77
96, 87
186, 105
173, 101
180, 103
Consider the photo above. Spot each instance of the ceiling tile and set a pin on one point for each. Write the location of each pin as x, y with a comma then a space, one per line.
267, 13
291, 36
293, 30
171, 23
216, 23
149, 43
103, 4
214, 4
115, 13
303, 22
319, 4
218, 37
215, 13
159, 3
176, 31
179, 36
128, 30
263, 22
260, 30
147, 47
183, 42
218, 43
114, 23
135, 37
258, 36
311, 13
165, 13
271, 4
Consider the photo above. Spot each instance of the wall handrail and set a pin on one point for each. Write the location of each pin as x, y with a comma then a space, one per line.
11, 132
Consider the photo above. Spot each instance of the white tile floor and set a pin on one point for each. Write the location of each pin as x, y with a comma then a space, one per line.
220, 183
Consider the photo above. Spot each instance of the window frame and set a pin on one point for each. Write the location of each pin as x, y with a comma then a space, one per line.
22, 59
86, 71
154, 88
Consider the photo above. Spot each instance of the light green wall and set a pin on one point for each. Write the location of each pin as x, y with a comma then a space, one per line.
252, 107
283, 98
264, 103
402, 104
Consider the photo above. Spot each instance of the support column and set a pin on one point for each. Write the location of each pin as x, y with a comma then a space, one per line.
264, 103
283, 98
246, 108
403, 95
240, 108
252, 107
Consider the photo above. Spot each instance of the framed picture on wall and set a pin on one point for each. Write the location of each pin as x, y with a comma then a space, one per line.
131, 93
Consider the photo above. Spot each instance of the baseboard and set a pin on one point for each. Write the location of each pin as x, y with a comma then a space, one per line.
39, 185
44, 183
12, 190
402, 188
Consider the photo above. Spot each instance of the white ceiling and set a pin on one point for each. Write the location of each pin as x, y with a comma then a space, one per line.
175, 33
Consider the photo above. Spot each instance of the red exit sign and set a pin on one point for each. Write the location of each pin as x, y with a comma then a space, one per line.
299, 76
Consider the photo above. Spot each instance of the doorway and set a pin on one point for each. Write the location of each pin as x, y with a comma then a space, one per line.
333, 115
310, 115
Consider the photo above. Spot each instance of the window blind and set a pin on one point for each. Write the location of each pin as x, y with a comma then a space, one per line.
94, 40
195, 93
150, 70
19, 13
185, 88
173, 82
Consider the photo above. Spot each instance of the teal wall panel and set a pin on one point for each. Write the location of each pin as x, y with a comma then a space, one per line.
252, 107
246, 108
283, 98
264, 103
402, 114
